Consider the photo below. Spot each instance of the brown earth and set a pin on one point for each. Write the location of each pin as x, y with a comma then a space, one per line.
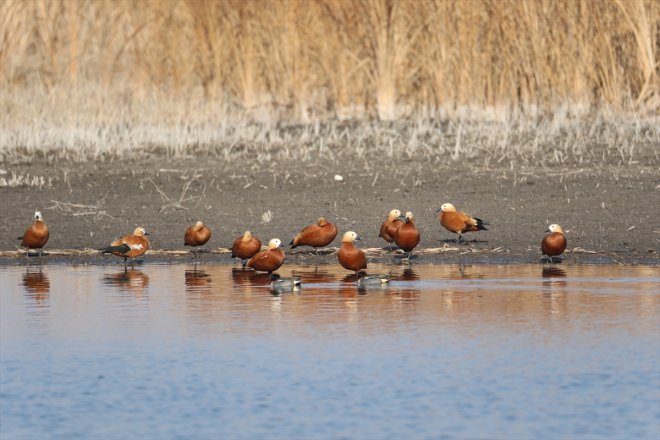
610, 213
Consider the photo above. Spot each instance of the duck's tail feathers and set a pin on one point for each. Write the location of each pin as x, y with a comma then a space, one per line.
481, 225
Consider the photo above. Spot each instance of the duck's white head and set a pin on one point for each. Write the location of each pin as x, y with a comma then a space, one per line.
140, 231
37, 216
555, 228
350, 237
447, 207
394, 214
274, 243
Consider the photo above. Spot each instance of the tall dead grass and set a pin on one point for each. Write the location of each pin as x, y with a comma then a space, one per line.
120, 75
311, 58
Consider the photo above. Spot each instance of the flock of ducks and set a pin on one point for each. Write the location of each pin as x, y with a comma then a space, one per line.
397, 229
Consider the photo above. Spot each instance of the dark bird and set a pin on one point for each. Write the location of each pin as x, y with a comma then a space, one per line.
196, 235
317, 235
350, 257
389, 227
245, 247
554, 243
270, 259
36, 235
129, 246
459, 222
407, 236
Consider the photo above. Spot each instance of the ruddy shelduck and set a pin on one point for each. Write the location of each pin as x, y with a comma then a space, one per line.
36, 235
318, 235
350, 257
554, 243
245, 247
389, 227
407, 236
268, 260
196, 235
459, 222
129, 246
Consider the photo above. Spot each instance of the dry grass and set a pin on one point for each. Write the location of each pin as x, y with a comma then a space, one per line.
87, 79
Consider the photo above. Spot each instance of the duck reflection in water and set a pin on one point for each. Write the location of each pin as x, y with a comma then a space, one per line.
37, 285
553, 276
245, 277
313, 276
197, 280
128, 280
553, 272
408, 274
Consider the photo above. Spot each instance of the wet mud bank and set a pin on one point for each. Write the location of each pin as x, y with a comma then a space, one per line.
609, 214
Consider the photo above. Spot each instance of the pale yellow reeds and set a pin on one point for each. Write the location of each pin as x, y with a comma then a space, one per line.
305, 58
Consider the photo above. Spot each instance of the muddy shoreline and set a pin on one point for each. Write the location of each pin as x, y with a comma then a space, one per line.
609, 213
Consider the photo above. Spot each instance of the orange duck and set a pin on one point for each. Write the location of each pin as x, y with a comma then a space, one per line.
316, 236
129, 246
269, 260
35, 236
350, 257
245, 247
389, 227
459, 222
554, 243
196, 235
407, 236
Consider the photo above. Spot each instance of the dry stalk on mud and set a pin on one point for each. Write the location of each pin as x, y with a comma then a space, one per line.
77, 209
169, 203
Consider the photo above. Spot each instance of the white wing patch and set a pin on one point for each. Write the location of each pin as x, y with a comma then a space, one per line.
136, 247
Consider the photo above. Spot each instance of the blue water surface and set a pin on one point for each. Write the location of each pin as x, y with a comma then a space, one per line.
443, 352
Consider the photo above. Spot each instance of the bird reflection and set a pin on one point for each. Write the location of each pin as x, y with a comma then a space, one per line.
313, 276
129, 280
553, 277
197, 281
408, 274
553, 272
246, 277
37, 285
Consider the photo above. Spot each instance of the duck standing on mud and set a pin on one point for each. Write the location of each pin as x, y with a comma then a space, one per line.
350, 257
317, 235
129, 246
407, 236
389, 227
196, 235
459, 222
36, 235
245, 247
270, 259
554, 243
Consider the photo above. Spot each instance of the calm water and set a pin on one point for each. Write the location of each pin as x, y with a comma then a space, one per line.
443, 352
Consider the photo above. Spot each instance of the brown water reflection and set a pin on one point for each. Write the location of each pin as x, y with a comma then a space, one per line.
37, 285
134, 281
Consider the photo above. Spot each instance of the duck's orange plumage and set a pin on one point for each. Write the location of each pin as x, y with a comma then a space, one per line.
407, 236
269, 260
317, 235
129, 246
459, 222
350, 257
245, 246
554, 243
197, 235
36, 235
389, 226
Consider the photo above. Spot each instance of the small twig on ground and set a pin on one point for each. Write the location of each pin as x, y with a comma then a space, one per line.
77, 209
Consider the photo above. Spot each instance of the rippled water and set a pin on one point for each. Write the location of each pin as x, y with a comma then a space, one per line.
444, 352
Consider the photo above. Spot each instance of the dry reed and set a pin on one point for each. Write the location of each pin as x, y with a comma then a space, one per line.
106, 75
